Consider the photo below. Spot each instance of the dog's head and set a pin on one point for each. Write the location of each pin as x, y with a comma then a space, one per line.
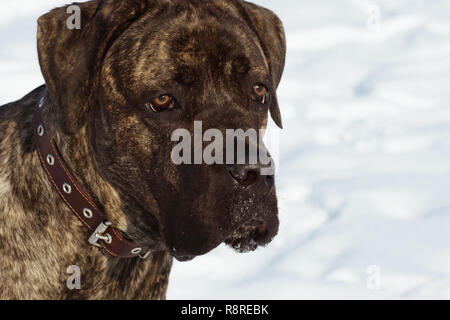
137, 71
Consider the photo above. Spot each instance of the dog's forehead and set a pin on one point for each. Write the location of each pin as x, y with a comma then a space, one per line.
212, 48
184, 48
187, 41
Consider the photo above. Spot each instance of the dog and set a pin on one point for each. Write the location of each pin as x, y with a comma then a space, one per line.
115, 90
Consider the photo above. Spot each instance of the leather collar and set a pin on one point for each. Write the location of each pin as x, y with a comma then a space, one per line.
78, 200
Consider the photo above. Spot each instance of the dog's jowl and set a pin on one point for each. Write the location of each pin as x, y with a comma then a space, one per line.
86, 176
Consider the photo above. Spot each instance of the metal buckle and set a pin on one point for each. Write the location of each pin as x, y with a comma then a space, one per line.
99, 234
145, 256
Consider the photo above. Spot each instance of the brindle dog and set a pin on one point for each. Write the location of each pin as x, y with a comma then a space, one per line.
116, 90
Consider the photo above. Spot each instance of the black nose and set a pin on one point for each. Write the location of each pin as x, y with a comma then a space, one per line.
250, 176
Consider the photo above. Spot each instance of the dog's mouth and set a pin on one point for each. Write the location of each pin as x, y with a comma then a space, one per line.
246, 238
250, 223
249, 236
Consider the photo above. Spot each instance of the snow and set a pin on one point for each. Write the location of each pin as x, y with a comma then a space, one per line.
363, 163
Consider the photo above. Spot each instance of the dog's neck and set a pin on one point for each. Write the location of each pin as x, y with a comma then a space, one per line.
78, 154
75, 152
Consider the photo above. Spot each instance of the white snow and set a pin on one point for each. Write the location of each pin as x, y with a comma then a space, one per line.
364, 159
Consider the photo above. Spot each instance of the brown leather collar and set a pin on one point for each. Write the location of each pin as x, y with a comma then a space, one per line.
77, 199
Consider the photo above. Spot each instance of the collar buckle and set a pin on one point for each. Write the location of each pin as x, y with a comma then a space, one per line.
145, 255
101, 234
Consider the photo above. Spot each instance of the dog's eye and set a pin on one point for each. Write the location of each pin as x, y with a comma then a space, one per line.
260, 93
162, 103
259, 90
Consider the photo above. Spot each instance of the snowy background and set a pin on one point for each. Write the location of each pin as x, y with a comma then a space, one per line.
364, 160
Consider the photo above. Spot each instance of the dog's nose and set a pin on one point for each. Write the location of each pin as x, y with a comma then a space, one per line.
250, 176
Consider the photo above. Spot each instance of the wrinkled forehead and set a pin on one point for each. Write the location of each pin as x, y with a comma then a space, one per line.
185, 47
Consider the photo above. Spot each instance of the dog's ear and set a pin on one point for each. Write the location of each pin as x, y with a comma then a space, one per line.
70, 56
270, 31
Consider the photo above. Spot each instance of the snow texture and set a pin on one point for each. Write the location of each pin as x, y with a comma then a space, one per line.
363, 163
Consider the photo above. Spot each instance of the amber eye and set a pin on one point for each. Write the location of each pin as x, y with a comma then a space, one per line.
162, 103
260, 93
259, 90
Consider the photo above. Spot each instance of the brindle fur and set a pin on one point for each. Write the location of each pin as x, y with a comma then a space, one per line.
208, 54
